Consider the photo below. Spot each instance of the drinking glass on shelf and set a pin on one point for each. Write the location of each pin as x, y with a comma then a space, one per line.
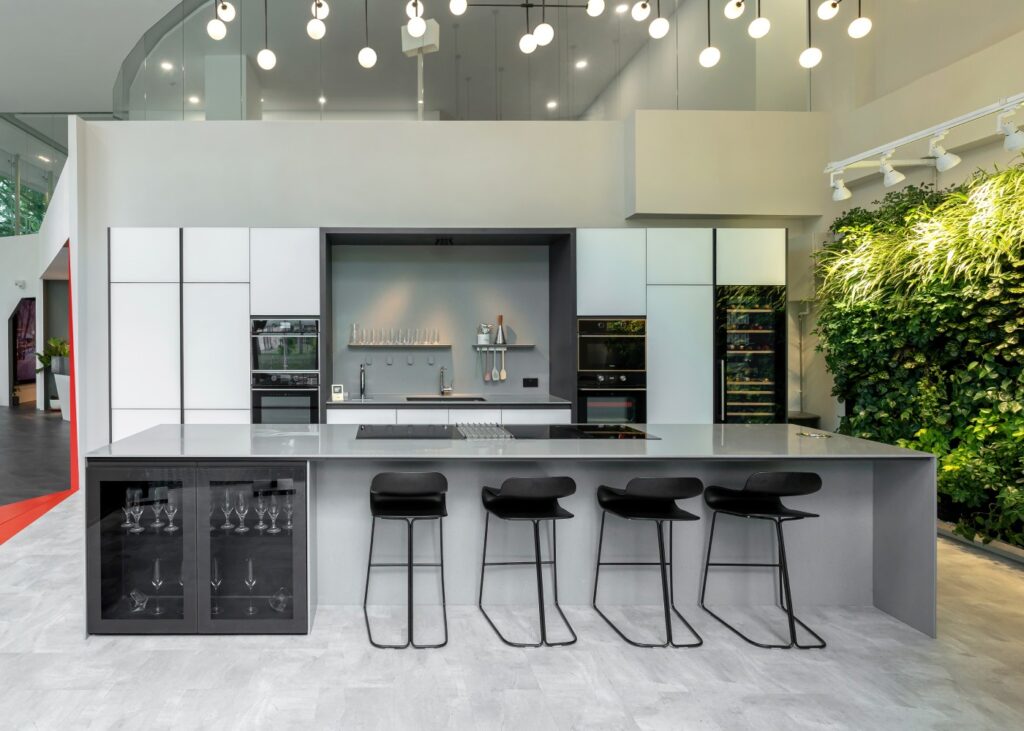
137, 512
226, 507
241, 508
171, 508
215, 581
156, 507
273, 510
250, 582
261, 510
419, 339
289, 508
435, 337
157, 581
354, 338
127, 509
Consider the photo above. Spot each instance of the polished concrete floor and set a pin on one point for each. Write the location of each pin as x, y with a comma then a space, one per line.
34, 453
876, 672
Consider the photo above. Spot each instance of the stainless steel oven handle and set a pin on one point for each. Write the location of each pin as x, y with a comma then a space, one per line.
721, 393
611, 389
286, 388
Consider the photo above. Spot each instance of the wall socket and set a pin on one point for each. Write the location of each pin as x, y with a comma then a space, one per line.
530, 383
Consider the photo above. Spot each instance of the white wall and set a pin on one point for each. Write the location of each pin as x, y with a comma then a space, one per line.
19, 261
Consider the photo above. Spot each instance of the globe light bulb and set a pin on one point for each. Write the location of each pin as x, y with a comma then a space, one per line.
595, 7
544, 34
320, 10
860, 27
828, 9
367, 57
416, 27
266, 59
414, 8
316, 29
759, 27
216, 29
458, 7
734, 9
658, 28
527, 44
810, 58
225, 11
641, 11
709, 57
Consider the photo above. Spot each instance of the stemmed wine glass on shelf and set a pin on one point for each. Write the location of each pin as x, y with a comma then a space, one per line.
226, 507
241, 508
129, 496
215, 581
250, 582
171, 508
136, 511
273, 510
156, 505
261, 510
157, 581
289, 508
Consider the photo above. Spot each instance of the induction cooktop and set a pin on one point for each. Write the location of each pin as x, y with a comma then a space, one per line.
515, 431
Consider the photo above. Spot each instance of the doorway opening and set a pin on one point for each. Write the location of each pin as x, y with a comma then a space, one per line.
21, 328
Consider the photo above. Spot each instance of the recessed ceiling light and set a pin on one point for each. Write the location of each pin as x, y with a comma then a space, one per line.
167, 66
193, 99
581, 64
621, 8
44, 158
261, 100
552, 104
322, 99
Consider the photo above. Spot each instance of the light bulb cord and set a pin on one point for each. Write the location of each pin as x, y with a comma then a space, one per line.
366, 20
808, 23
709, 23
266, 26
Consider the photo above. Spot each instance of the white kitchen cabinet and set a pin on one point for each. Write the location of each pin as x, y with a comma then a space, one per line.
215, 254
217, 416
680, 256
145, 255
284, 268
216, 345
145, 346
421, 416
125, 422
361, 416
536, 416
474, 416
680, 354
611, 272
750, 256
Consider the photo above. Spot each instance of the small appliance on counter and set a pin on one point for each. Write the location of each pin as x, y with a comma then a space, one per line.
337, 392
611, 376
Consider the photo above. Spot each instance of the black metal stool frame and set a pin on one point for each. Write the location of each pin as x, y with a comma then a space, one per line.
538, 563
785, 593
410, 565
668, 592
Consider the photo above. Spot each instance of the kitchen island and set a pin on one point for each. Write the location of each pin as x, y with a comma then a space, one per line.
874, 543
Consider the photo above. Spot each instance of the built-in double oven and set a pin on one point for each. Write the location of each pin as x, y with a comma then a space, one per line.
611, 376
285, 371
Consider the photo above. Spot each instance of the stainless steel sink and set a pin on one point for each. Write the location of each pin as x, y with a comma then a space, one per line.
445, 398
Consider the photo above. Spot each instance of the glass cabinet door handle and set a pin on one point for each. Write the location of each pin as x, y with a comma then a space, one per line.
721, 392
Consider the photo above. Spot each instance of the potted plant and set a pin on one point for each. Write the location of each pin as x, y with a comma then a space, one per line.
53, 359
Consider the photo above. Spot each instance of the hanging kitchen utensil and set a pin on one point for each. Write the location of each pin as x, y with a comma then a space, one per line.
494, 370
487, 372
504, 374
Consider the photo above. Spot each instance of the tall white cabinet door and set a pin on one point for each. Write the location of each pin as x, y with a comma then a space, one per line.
284, 272
216, 345
145, 346
680, 256
125, 422
611, 272
680, 354
145, 255
215, 254
751, 256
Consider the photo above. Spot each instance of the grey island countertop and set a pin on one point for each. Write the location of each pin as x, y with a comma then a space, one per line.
332, 442
459, 400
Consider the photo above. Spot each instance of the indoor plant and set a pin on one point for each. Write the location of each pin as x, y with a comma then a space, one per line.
53, 359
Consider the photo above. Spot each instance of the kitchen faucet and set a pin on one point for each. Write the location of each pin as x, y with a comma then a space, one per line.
362, 381
445, 390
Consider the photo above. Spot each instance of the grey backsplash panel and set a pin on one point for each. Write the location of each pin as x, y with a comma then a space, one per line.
453, 289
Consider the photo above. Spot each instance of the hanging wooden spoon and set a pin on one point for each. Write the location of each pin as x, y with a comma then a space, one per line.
504, 374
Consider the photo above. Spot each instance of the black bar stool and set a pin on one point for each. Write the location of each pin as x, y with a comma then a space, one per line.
760, 499
651, 499
533, 499
412, 497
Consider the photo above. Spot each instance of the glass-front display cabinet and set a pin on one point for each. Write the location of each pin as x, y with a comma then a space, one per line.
178, 548
751, 343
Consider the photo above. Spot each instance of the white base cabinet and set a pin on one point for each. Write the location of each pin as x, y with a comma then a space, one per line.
536, 416
361, 416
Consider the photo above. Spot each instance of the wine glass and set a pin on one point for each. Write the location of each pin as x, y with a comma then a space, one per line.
250, 582
273, 510
226, 507
156, 505
157, 581
289, 508
127, 509
171, 508
137, 512
241, 508
261, 510
435, 337
215, 581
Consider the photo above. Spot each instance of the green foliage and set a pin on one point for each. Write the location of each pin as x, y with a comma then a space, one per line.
921, 324
53, 348
33, 208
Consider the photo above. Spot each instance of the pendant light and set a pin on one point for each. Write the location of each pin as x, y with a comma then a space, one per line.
710, 56
416, 26
367, 56
225, 11
760, 25
527, 43
734, 9
458, 7
595, 8
544, 33
414, 9
659, 27
861, 25
266, 59
641, 11
216, 28
315, 28
829, 9
811, 55
320, 9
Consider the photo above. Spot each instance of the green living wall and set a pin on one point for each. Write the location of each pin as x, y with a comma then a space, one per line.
921, 321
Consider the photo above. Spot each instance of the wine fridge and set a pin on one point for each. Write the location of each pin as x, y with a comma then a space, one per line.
750, 344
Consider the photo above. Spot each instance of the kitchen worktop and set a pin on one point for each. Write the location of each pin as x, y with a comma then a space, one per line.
331, 442
503, 400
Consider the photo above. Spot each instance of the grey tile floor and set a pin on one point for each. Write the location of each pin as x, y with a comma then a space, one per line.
34, 453
875, 674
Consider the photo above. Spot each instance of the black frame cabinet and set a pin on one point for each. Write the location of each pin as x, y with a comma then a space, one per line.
142, 578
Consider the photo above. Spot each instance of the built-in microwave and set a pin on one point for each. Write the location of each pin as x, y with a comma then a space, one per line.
286, 346
612, 344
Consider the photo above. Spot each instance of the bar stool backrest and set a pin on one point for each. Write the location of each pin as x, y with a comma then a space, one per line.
666, 488
783, 484
538, 487
409, 484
